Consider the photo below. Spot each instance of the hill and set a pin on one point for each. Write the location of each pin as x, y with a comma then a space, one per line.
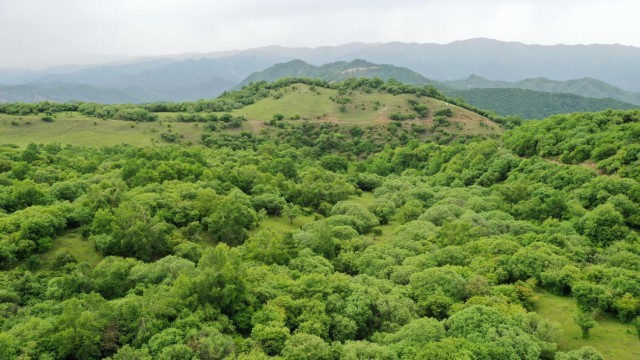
587, 87
362, 108
323, 241
387, 109
530, 104
339, 71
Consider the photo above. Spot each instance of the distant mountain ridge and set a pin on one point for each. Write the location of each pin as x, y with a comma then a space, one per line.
59, 92
195, 76
338, 71
588, 87
493, 59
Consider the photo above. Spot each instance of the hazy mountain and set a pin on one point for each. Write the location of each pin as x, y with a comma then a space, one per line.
144, 81
62, 92
478, 82
531, 104
506, 61
338, 71
588, 87
206, 75
67, 92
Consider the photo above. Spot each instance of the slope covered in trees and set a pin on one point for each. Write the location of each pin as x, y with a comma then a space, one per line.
530, 104
607, 140
588, 87
416, 251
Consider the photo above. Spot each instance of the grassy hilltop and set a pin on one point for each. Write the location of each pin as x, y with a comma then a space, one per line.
292, 104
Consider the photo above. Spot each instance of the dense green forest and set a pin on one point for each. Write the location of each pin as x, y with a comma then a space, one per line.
587, 87
326, 242
530, 104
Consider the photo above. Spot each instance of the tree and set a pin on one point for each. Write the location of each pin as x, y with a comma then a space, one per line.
383, 209
585, 321
410, 211
363, 218
7, 347
268, 247
584, 353
303, 346
356, 350
413, 336
128, 353
271, 337
604, 225
335, 163
438, 279
78, 331
291, 212
591, 296
230, 218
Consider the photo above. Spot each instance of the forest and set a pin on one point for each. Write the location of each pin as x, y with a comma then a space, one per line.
530, 104
323, 243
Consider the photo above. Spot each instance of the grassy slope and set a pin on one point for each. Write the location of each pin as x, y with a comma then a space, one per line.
77, 129
82, 250
309, 105
610, 337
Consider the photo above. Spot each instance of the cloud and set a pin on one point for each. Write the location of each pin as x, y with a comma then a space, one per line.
33, 32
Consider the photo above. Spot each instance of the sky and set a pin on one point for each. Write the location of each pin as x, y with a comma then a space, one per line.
38, 33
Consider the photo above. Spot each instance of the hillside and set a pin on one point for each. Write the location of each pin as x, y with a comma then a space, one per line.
530, 104
570, 139
339, 71
317, 104
270, 111
587, 87
294, 246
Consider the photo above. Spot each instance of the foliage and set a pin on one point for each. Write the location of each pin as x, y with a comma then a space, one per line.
270, 248
530, 104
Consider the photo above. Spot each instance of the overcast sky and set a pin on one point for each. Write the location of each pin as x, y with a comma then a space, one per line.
53, 32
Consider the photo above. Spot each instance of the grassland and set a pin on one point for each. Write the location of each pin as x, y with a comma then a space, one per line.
610, 337
364, 109
72, 242
296, 101
77, 129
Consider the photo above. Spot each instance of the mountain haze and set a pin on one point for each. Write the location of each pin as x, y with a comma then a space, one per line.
506, 61
196, 76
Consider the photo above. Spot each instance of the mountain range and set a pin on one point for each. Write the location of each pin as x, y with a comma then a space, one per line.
195, 76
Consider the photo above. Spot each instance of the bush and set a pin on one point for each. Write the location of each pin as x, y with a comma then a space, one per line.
446, 112
401, 117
